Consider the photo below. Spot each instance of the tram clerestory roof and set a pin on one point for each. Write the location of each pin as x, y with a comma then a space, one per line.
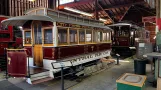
45, 14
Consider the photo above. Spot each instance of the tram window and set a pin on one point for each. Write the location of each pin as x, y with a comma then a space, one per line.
4, 35
37, 34
73, 36
3, 27
48, 36
95, 36
81, 36
99, 39
62, 35
104, 36
27, 37
108, 36
88, 36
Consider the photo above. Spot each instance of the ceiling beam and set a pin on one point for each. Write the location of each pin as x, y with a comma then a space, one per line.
125, 13
81, 2
124, 5
119, 6
105, 12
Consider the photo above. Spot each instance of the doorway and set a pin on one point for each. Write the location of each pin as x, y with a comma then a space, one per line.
37, 43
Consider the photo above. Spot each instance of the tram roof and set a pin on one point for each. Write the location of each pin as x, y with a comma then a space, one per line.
123, 24
45, 14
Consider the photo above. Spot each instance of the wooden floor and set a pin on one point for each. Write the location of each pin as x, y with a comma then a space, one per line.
35, 70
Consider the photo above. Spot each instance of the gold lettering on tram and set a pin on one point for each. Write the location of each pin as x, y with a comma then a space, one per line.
9, 60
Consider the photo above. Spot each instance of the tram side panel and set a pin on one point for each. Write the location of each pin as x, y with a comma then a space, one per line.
61, 53
69, 51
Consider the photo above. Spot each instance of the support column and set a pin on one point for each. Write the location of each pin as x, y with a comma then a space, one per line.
158, 15
96, 10
55, 35
158, 39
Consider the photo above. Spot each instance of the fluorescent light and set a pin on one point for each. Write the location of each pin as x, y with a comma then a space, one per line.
121, 24
20, 27
78, 11
31, 0
101, 19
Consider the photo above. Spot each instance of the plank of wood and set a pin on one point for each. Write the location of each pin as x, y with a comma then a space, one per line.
159, 84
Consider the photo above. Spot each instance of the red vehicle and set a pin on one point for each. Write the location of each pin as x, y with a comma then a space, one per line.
75, 41
8, 38
125, 37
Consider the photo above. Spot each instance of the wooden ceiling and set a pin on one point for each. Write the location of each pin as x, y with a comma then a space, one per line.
115, 10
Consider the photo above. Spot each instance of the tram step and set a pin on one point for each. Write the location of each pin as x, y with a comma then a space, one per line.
38, 79
42, 80
40, 75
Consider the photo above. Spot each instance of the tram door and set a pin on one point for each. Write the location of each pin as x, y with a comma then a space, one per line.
37, 44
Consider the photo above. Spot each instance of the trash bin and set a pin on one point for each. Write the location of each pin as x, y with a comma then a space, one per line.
140, 66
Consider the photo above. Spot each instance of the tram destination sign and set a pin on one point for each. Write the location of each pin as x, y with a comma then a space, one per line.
76, 26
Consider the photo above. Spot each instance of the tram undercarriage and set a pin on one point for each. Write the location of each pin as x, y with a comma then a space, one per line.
81, 67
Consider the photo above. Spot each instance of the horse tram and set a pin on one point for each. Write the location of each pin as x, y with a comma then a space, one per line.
50, 37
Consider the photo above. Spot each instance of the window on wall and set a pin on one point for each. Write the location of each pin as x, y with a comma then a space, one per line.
48, 36
82, 36
88, 36
73, 36
27, 37
62, 35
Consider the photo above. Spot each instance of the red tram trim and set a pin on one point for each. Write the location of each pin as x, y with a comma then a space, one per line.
28, 51
69, 51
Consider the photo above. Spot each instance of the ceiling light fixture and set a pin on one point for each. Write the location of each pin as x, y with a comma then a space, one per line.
78, 11
101, 19
83, 13
31, 0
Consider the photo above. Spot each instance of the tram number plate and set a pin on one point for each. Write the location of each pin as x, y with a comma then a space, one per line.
62, 64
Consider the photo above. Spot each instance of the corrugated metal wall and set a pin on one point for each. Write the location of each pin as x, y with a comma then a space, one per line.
4, 7
17, 7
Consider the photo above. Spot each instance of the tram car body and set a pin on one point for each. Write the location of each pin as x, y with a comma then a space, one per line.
125, 37
7, 39
53, 36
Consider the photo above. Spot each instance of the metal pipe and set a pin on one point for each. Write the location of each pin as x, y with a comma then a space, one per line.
62, 79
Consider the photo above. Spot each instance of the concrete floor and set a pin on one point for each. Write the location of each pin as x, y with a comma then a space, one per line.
105, 80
